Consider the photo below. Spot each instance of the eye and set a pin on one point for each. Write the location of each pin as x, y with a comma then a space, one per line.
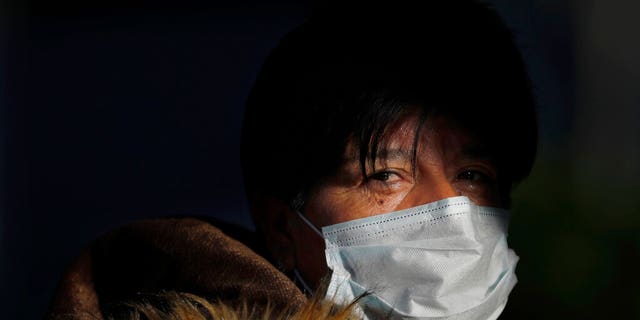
383, 176
472, 175
384, 180
479, 184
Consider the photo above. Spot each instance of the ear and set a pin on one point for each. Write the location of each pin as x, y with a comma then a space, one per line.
275, 224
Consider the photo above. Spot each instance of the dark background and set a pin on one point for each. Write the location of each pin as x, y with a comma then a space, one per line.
112, 111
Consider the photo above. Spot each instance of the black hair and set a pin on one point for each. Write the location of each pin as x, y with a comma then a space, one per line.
349, 72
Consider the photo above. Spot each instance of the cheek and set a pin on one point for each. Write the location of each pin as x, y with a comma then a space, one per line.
483, 194
336, 206
387, 203
328, 206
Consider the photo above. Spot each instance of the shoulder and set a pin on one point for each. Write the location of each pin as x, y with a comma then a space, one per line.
190, 255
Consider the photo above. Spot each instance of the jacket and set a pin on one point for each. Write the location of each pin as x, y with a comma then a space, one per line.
189, 255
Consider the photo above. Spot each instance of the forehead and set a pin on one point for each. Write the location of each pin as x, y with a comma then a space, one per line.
412, 135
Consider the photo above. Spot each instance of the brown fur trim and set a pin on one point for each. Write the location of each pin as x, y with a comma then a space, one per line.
185, 306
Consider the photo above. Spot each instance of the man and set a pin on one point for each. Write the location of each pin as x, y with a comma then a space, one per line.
400, 132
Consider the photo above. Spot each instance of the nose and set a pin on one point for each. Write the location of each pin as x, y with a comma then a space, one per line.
428, 187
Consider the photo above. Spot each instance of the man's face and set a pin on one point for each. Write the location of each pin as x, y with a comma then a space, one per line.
449, 162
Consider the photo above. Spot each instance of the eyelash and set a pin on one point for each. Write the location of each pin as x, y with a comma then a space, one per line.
468, 180
480, 176
382, 176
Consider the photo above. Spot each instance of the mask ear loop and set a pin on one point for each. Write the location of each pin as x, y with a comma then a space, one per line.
309, 223
298, 277
297, 206
297, 274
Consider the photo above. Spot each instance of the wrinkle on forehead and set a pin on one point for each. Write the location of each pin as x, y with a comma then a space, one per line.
412, 135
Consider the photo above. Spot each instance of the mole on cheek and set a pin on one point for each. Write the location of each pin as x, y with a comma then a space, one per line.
380, 202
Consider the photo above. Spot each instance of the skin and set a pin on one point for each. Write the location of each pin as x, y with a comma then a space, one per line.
449, 163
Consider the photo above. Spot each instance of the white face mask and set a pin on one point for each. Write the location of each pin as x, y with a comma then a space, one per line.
443, 260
